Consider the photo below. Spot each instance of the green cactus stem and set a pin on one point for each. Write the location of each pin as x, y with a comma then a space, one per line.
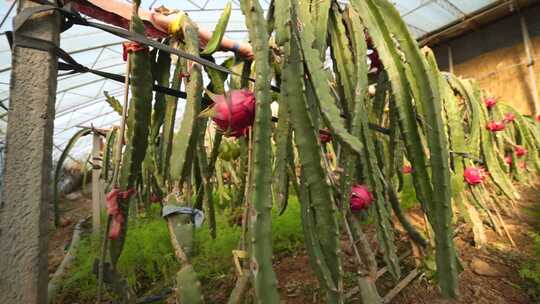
318, 215
184, 141
137, 125
261, 197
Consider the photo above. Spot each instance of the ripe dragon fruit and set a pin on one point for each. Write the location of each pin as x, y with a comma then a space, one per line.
495, 126
234, 112
538, 117
520, 151
325, 136
509, 118
522, 165
407, 169
475, 175
508, 160
360, 198
154, 198
490, 102
375, 64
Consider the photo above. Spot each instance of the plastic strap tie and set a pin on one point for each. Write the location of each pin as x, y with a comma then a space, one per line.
176, 26
130, 46
198, 215
113, 209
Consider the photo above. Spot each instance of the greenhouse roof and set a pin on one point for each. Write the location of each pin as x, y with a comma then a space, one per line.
80, 100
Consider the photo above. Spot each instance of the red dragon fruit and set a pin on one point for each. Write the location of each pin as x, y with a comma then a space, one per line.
360, 198
375, 64
154, 198
508, 160
234, 112
407, 169
509, 118
325, 136
490, 102
538, 117
520, 151
495, 126
475, 175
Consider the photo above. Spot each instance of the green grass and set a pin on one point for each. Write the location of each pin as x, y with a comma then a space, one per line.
213, 258
148, 259
530, 270
408, 194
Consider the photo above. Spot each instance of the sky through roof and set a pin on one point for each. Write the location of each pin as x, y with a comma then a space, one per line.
80, 99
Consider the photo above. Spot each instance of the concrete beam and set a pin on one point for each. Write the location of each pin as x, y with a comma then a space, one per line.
24, 211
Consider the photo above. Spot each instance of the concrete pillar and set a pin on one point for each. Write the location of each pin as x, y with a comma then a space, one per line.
24, 213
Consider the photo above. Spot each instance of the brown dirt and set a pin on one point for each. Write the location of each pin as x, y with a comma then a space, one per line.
504, 289
72, 211
297, 283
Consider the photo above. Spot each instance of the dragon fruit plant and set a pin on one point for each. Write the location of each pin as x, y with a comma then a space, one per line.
372, 133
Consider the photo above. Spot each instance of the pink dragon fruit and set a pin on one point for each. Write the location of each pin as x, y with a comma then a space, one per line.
234, 112
509, 117
360, 198
490, 102
522, 165
520, 151
474, 175
495, 126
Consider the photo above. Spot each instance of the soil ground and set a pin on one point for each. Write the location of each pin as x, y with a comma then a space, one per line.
297, 283
59, 238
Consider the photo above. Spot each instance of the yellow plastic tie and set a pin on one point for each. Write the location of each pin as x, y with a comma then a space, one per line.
175, 27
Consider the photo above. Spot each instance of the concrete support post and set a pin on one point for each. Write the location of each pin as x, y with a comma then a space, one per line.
530, 66
24, 211
97, 186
